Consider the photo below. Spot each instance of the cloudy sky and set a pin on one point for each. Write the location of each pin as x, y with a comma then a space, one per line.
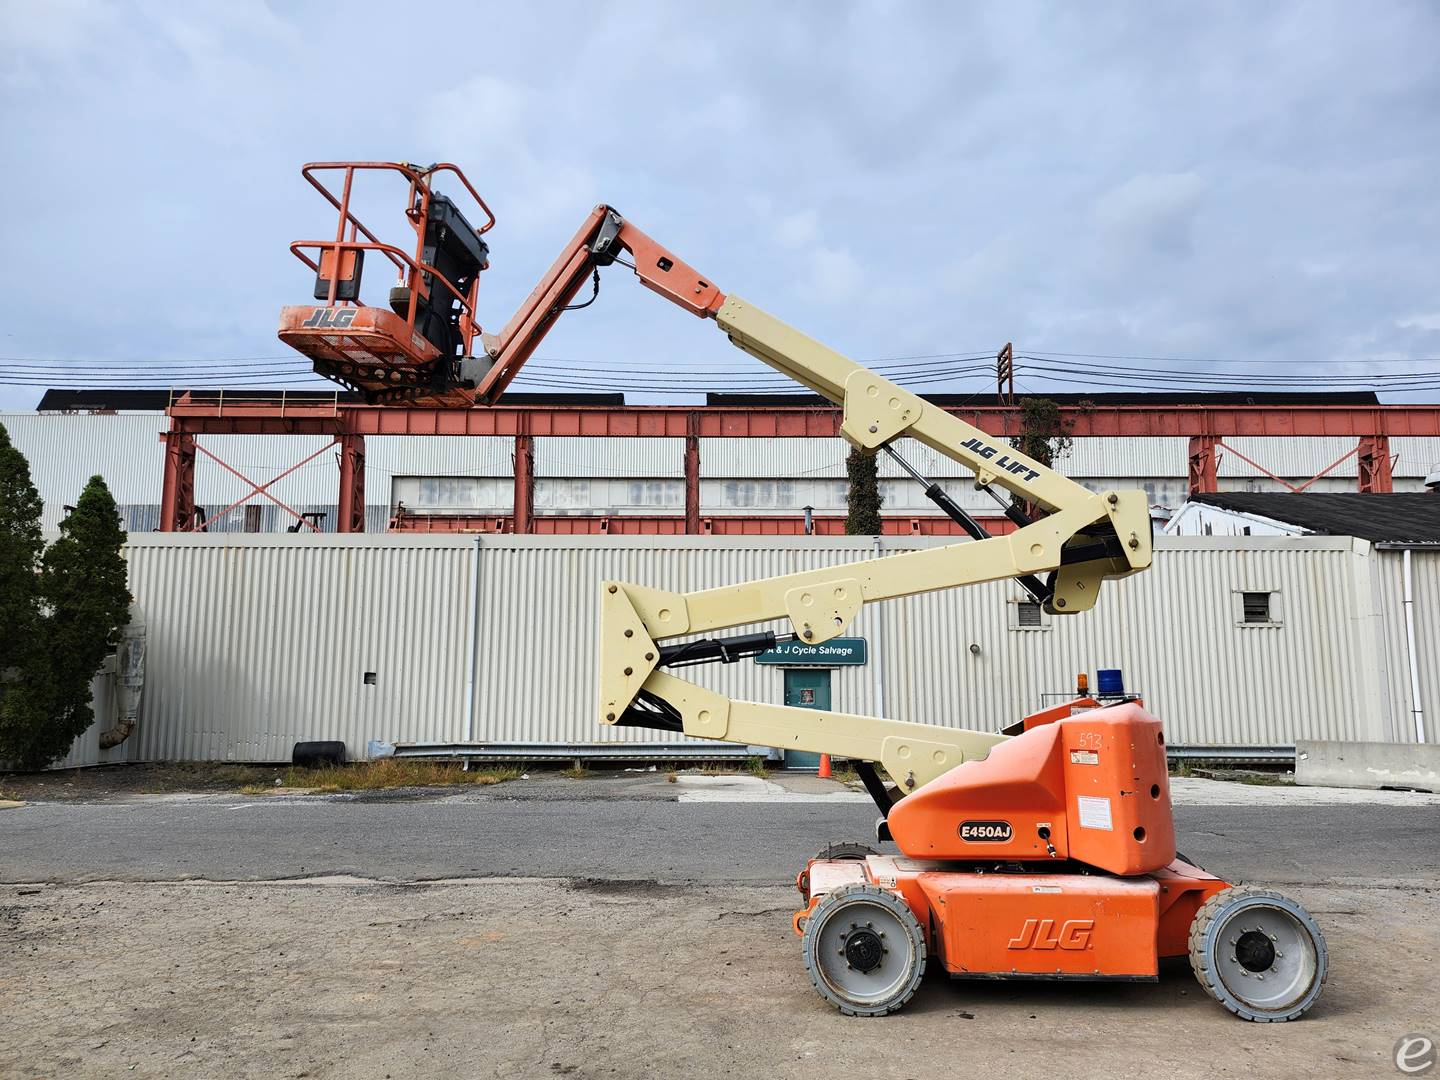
1244, 187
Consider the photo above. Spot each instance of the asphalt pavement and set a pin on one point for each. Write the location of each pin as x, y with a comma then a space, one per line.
494, 834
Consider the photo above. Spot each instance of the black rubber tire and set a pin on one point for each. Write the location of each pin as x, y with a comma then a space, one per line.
910, 940
1207, 951
845, 849
317, 755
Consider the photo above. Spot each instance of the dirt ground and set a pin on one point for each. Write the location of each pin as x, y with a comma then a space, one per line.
536, 978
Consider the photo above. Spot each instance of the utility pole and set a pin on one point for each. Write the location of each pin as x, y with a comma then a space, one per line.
1005, 375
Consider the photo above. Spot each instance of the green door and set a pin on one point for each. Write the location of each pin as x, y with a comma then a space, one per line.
806, 688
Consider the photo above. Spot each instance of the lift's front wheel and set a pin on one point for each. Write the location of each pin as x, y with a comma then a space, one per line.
845, 850
864, 950
1259, 954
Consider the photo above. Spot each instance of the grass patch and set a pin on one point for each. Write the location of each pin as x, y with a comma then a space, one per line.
844, 774
715, 768
378, 775
575, 771
1235, 774
755, 766
1187, 766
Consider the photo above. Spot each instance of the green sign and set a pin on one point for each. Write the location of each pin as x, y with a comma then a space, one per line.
837, 652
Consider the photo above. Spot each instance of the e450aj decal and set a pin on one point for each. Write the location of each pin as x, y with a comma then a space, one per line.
985, 832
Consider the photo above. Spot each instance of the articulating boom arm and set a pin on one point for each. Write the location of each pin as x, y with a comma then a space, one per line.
1084, 539
599, 243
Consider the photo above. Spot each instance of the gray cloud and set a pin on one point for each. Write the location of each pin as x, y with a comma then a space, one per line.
1238, 181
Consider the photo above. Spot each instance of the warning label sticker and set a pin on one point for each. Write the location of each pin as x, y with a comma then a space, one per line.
1084, 757
1094, 813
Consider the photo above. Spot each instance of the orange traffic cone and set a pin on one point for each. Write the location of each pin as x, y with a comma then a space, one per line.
824, 771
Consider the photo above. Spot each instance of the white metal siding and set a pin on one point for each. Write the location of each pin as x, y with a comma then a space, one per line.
637, 457
257, 642
1172, 630
539, 614
65, 450
1425, 590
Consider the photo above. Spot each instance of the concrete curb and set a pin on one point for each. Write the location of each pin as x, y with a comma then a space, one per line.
1326, 763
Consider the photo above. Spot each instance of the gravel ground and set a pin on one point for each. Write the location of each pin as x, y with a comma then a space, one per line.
527, 977
124, 953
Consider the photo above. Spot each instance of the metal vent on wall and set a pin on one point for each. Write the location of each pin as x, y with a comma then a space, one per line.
1257, 607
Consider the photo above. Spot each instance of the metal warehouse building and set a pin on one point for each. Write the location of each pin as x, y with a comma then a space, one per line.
474, 482
257, 642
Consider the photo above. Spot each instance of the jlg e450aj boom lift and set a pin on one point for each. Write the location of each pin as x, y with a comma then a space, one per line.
1046, 851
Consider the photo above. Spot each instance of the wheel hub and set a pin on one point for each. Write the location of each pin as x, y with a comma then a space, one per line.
864, 950
1255, 951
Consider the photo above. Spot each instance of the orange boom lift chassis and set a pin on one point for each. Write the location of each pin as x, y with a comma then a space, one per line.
1043, 851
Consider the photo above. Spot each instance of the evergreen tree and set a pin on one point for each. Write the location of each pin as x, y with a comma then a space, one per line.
20, 547
84, 585
22, 706
864, 499
67, 616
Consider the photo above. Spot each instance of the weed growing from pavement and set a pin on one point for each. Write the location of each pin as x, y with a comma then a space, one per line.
1203, 769
385, 773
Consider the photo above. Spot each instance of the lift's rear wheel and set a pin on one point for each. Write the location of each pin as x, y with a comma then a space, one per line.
864, 950
1259, 954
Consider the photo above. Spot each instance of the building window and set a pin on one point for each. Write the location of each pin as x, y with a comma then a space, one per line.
1259, 608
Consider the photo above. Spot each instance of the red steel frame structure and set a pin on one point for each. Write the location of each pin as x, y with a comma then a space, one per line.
1205, 426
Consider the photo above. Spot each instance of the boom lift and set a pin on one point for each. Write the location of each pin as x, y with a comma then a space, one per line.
1046, 851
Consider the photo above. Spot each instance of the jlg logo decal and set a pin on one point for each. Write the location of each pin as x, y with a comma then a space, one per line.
1040, 934
1000, 460
329, 318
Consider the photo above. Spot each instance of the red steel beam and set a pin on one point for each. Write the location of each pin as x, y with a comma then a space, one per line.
1203, 476
524, 497
177, 493
671, 525
692, 475
350, 507
1375, 464
723, 421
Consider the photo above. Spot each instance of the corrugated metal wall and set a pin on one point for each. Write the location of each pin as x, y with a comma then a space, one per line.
536, 667
1174, 630
1388, 570
257, 642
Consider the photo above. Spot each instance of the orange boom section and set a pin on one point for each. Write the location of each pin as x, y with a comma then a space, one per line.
1093, 788
426, 347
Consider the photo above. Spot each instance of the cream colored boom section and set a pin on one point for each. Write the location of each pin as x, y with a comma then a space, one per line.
877, 410
913, 754
820, 604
